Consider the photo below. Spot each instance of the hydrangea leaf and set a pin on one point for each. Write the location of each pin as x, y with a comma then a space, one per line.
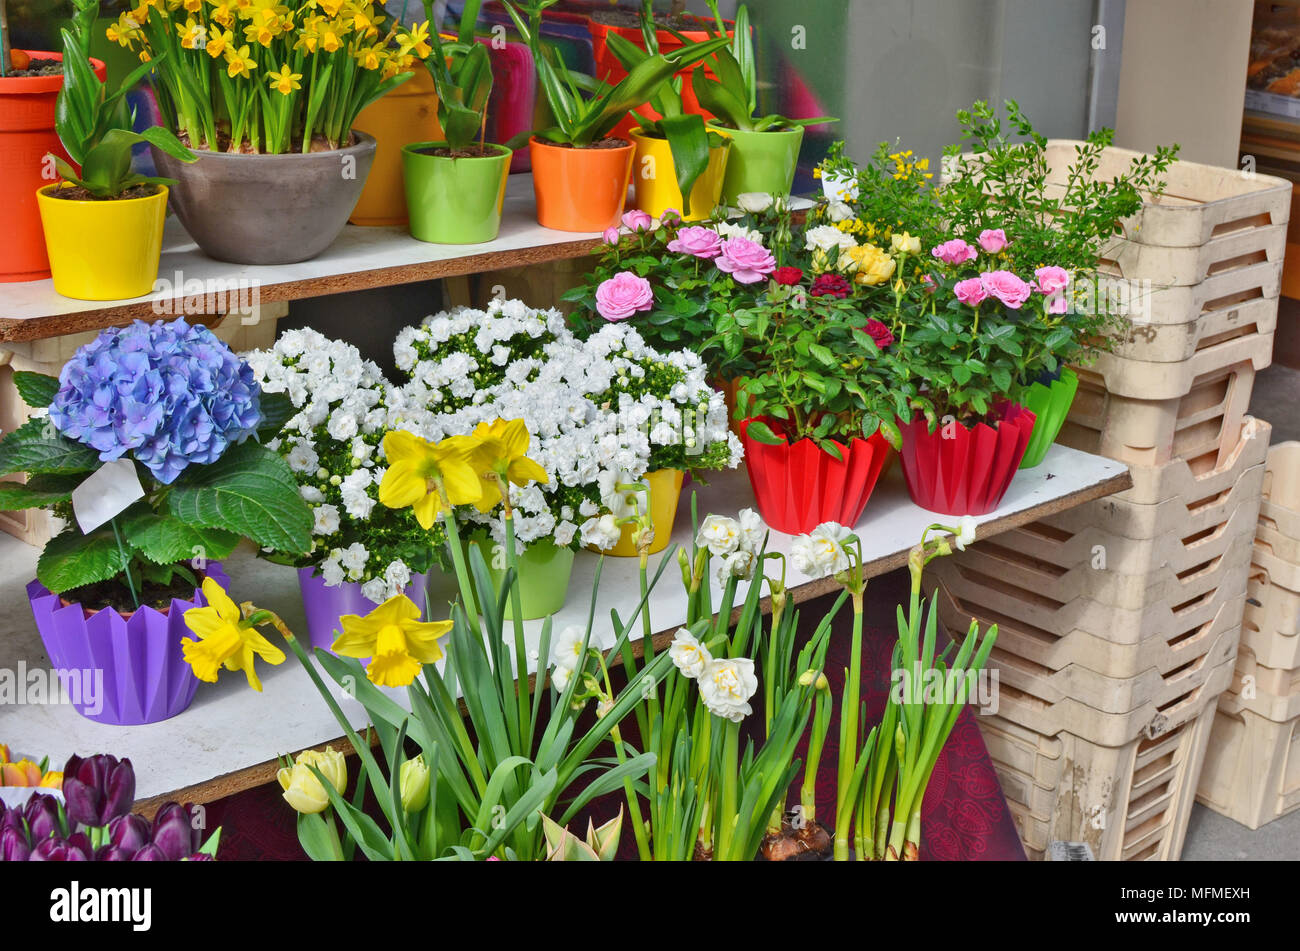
165, 540
38, 491
36, 389
71, 559
277, 409
36, 447
250, 491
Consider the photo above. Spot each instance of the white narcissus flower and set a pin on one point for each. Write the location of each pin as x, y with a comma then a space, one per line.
567, 649
754, 202
720, 534
726, 686
821, 552
688, 654
752, 530
965, 532
560, 677
739, 564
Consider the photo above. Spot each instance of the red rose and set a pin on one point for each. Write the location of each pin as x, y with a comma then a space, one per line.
879, 333
831, 285
788, 276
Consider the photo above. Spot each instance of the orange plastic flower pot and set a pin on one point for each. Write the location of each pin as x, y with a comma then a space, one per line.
580, 189
26, 135
407, 114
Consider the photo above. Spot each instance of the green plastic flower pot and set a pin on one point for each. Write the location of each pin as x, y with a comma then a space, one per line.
760, 161
544, 570
454, 200
1050, 404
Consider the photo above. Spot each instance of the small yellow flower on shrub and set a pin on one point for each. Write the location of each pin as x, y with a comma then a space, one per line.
397, 642
302, 789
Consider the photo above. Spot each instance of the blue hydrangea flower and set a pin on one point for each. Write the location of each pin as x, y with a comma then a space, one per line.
170, 394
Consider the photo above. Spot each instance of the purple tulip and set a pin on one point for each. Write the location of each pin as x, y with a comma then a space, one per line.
13, 819
131, 833
199, 857
98, 789
61, 850
150, 853
174, 832
13, 846
114, 853
42, 815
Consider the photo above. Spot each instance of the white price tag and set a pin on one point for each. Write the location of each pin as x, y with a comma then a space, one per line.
111, 490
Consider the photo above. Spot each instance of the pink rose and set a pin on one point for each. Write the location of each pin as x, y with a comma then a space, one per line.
1006, 287
623, 295
928, 281
970, 291
670, 216
612, 235
955, 251
697, 242
1057, 304
1052, 279
993, 240
638, 220
748, 262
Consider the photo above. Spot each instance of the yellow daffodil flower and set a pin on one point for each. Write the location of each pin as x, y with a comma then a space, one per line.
221, 41
504, 447
192, 6
416, 41
331, 37
193, 34
260, 33
371, 57
419, 473
239, 62
331, 8
302, 789
222, 12
397, 642
225, 639
284, 82
363, 19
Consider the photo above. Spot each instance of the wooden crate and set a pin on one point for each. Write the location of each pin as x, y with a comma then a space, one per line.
1147, 340
243, 332
1150, 432
1149, 380
1129, 801
1200, 478
1199, 204
1252, 768
1167, 266
1271, 623
1270, 692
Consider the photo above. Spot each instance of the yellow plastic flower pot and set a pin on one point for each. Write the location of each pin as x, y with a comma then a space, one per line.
407, 114
654, 179
665, 490
103, 250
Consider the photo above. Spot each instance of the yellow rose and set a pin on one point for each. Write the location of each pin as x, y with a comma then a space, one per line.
868, 264
302, 789
904, 243
414, 784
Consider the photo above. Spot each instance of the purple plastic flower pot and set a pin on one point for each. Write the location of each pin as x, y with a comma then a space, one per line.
324, 605
144, 675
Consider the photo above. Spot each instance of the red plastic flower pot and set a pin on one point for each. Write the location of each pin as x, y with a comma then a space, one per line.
957, 470
799, 486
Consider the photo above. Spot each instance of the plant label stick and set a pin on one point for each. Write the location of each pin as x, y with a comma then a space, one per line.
109, 492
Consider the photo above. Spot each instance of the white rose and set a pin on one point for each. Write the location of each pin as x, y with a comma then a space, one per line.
690, 656
754, 202
726, 229
826, 237
838, 211
727, 685
720, 534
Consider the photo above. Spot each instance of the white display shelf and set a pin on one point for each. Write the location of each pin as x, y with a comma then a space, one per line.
229, 739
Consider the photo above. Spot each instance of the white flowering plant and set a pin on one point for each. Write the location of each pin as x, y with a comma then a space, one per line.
333, 447
601, 413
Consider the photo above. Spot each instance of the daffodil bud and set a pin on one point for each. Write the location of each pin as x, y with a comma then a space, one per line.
414, 777
807, 677
823, 683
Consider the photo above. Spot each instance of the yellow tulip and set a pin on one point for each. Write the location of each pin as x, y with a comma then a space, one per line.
504, 447
302, 789
225, 639
397, 642
22, 773
52, 780
420, 473
414, 784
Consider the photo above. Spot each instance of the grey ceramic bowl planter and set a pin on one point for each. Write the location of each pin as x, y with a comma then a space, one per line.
268, 209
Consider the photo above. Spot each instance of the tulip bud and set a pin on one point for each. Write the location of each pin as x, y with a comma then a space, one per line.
13, 846
414, 778
98, 789
42, 815
173, 832
130, 832
302, 789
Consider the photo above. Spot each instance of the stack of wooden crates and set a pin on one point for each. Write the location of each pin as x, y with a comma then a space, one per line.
1119, 621
1252, 769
